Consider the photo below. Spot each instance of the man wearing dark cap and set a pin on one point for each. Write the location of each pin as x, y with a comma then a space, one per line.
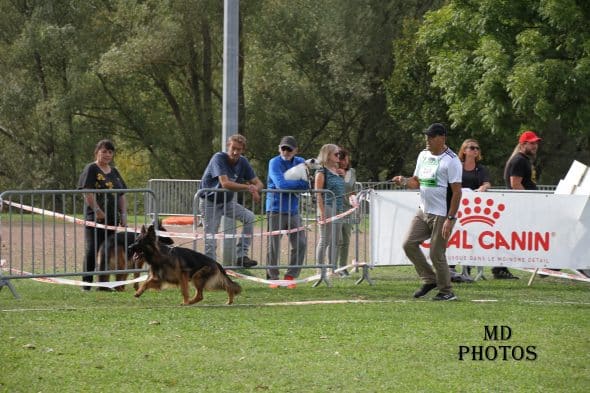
519, 174
438, 176
282, 209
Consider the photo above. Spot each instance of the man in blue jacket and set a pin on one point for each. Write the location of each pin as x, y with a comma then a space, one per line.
282, 209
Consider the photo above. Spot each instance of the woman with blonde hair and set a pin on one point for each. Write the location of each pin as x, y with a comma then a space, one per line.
329, 204
475, 175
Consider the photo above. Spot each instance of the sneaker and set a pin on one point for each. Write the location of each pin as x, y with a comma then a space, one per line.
344, 274
290, 278
424, 289
455, 277
504, 274
246, 262
461, 278
445, 296
273, 286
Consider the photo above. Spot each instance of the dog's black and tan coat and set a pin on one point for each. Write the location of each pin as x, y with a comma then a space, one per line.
113, 255
179, 266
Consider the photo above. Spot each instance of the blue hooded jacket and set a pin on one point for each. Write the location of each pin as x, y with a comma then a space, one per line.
277, 202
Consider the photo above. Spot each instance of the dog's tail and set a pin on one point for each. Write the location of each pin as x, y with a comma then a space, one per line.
220, 280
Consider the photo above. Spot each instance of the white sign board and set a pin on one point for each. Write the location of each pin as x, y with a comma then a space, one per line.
525, 230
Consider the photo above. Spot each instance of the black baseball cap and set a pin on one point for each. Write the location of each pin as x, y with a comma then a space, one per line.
435, 129
288, 141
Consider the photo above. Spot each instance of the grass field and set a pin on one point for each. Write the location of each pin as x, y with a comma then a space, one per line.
368, 339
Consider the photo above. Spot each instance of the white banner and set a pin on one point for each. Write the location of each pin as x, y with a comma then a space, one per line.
525, 230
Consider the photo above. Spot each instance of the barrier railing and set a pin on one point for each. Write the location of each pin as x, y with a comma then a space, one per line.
43, 231
174, 196
43, 234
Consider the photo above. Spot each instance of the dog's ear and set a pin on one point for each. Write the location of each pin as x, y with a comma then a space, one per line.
143, 230
151, 231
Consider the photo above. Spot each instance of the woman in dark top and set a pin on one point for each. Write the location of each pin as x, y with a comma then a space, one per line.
475, 175
109, 208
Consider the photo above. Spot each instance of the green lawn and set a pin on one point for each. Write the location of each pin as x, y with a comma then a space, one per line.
378, 339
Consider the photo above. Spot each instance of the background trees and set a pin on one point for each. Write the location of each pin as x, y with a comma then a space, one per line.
367, 74
504, 67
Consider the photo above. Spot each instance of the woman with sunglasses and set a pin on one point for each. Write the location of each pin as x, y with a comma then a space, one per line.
475, 175
329, 204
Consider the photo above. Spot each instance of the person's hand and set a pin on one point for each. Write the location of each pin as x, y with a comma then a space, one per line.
254, 191
99, 215
256, 196
447, 228
398, 180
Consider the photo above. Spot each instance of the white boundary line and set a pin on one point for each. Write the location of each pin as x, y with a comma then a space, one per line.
291, 304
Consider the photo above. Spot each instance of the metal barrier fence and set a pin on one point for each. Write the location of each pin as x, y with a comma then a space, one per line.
43, 233
174, 196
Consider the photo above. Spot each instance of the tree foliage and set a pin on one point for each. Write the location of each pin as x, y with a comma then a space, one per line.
366, 74
506, 66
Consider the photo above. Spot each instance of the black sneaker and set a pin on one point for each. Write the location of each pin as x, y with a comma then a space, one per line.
445, 296
424, 289
504, 274
246, 262
344, 274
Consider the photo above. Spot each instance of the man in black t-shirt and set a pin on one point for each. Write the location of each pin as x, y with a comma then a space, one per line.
520, 174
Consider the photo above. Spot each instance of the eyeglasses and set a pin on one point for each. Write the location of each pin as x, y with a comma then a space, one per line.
473, 147
286, 148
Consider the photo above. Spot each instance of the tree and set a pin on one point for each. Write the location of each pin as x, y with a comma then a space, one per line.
44, 52
508, 66
145, 73
316, 70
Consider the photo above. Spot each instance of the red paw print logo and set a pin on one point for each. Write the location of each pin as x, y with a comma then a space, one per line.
480, 210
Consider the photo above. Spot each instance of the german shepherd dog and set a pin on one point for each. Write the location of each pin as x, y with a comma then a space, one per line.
117, 256
179, 266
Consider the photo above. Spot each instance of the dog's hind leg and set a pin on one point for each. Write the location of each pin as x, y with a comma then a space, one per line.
200, 281
230, 297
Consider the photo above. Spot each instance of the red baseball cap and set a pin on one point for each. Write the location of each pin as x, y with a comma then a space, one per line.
528, 136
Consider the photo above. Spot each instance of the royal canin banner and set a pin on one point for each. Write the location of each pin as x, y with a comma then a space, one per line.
525, 230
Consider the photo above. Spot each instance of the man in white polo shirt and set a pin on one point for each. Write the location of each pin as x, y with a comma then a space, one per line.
438, 176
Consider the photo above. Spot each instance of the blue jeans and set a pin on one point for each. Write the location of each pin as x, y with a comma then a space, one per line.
329, 238
212, 214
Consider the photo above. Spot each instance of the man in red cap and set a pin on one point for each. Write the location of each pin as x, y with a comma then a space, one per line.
519, 174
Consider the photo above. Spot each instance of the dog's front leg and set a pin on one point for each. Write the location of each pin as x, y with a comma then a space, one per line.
151, 282
142, 288
184, 287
